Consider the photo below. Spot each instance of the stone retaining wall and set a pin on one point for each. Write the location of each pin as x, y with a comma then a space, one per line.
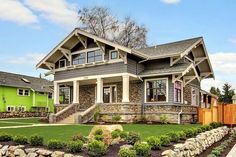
195, 146
21, 151
22, 114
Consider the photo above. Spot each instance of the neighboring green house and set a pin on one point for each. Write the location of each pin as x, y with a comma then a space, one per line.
20, 93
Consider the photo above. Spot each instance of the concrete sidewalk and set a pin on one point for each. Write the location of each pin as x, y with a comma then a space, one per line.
232, 153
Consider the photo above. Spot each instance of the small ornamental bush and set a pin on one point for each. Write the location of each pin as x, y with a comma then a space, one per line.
215, 124
4, 137
98, 132
36, 140
74, 146
199, 130
55, 144
182, 135
163, 119
115, 134
116, 118
133, 137
142, 149
125, 152
165, 140
99, 137
154, 142
189, 133
79, 137
174, 136
96, 148
20, 139
195, 131
123, 135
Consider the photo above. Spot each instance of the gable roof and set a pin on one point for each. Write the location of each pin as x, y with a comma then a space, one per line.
23, 81
169, 49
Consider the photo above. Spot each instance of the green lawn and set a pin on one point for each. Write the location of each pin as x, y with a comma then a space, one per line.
66, 132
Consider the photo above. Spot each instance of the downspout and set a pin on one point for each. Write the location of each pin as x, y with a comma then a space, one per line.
179, 117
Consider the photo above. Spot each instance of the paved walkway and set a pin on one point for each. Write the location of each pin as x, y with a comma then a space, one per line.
232, 153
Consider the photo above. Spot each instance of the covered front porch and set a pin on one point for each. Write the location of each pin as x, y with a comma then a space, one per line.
87, 91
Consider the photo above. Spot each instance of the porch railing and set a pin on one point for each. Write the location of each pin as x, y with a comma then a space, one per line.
66, 112
87, 115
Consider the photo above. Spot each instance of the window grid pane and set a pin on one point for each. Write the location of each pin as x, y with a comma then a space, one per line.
156, 91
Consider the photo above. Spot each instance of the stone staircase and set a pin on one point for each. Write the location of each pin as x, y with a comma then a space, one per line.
71, 115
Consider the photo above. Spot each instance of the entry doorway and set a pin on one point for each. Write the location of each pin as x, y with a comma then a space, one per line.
110, 94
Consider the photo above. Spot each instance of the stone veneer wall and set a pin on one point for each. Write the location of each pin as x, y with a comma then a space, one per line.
22, 114
59, 107
86, 96
187, 93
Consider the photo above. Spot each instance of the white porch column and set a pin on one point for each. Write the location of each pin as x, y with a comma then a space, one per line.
125, 92
75, 92
56, 93
99, 90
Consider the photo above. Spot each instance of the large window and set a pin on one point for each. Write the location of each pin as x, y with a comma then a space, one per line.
62, 63
156, 90
178, 91
78, 59
94, 56
23, 92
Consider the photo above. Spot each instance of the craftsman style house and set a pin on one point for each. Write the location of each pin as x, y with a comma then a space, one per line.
98, 75
21, 93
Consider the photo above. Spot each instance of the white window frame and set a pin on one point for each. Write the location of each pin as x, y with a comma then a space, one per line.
61, 60
14, 108
111, 85
117, 55
167, 90
182, 92
21, 107
23, 92
85, 58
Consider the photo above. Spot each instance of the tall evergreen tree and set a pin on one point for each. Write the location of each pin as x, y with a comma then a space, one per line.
227, 93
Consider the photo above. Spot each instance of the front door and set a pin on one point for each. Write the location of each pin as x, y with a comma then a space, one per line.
109, 94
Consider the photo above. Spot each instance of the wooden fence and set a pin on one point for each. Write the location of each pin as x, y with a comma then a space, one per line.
225, 113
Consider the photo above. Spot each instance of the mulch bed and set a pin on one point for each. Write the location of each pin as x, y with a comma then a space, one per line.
226, 151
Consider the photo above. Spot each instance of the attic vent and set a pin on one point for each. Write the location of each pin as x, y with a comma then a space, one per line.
25, 80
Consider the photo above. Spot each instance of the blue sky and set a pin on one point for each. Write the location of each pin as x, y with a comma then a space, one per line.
33, 27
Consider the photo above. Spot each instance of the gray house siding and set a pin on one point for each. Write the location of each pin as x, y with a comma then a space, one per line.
134, 67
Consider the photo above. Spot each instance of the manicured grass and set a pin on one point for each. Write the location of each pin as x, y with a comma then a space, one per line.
155, 130
23, 120
5, 124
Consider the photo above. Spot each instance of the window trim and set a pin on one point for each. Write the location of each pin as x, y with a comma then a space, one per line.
182, 92
23, 92
14, 108
22, 106
167, 90
94, 56
117, 54
59, 65
85, 58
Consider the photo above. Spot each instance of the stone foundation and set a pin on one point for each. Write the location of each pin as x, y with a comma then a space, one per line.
59, 107
22, 114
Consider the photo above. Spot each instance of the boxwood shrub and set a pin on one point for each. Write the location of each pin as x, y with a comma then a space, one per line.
174, 136
96, 148
98, 132
19, 139
165, 140
98, 137
4, 137
189, 133
123, 135
74, 146
36, 140
142, 149
55, 144
133, 137
80, 137
125, 152
182, 135
154, 142
115, 134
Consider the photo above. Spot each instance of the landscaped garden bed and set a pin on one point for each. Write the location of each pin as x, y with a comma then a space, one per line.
122, 143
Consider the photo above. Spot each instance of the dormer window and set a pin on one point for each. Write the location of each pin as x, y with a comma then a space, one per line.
94, 56
62, 63
78, 58
114, 54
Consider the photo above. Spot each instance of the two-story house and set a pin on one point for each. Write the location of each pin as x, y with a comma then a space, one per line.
21, 93
101, 76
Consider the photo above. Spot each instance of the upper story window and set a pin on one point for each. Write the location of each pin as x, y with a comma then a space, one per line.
156, 90
178, 91
23, 92
62, 63
94, 56
78, 59
114, 55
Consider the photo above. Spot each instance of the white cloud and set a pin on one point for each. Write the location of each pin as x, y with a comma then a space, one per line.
56, 11
27, 59
170, 1
14, 11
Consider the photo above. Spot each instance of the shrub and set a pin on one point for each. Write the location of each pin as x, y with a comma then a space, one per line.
115, 134
96, 116
74, 146
182, 135
174, 137
163, 119
133, 137
124, 135
36, 140
96, 148
215, 124
198, 129
189, 133
142, 149
99, 137
125, 152
165, 140
206, 127
55, 144
98, 132
195, 131
4, 137
20, 139
79, 137
154, 142
116, 118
